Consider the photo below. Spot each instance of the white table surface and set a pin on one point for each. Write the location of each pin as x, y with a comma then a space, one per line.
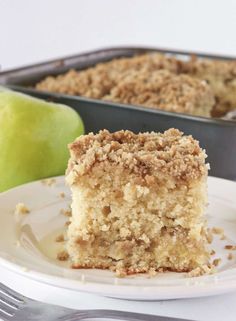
34, 31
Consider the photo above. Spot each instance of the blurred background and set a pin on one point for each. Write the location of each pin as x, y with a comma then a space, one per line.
33, 31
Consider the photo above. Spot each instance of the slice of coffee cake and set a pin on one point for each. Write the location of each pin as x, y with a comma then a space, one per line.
138, 202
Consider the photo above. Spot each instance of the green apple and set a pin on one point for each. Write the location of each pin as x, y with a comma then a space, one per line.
34, 135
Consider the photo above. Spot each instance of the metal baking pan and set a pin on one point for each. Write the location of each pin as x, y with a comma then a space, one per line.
217, 136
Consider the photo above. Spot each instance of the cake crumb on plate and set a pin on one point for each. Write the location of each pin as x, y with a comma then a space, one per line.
230, 256
216, 262
62, 256
66, 212
217, 230
230, 247
48, 181
60, 238
21, 208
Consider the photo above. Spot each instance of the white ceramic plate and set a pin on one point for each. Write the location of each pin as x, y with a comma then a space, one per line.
27, 247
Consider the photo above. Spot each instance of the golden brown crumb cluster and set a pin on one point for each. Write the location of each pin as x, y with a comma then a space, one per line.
197, 86
62, 256
144, 153
21, 208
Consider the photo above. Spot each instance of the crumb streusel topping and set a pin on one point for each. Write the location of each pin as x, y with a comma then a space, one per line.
157, 81
163, 90
171, 153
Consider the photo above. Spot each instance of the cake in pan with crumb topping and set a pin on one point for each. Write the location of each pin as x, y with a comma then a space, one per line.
138, 202
196, 86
